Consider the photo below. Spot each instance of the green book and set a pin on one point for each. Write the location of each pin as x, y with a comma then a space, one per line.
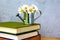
17, 27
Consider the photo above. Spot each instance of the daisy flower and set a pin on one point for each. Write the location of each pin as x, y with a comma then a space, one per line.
20, 10
25, 8
30, 10
35, 9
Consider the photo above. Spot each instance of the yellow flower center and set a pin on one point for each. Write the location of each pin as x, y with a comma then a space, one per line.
30, 10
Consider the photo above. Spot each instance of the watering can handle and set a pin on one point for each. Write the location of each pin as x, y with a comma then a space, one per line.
39, 15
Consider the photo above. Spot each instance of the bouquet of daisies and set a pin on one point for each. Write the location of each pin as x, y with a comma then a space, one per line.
28, 10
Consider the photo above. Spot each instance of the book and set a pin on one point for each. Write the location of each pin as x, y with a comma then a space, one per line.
19, 37
37, 37
17, 27
5, 38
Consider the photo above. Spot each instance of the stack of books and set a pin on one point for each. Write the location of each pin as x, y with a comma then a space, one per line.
18, 30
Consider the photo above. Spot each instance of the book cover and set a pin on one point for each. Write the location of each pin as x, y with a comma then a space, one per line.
17, 27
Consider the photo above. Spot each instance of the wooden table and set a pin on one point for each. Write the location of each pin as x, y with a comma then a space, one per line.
50, 38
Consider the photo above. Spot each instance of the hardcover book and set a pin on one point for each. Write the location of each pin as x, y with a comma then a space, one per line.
37, 37
17, 27
18, 37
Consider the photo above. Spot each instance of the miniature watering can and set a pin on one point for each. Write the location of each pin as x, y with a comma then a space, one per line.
26, 17
34, 18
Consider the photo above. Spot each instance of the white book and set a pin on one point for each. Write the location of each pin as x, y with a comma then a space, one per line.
19, 37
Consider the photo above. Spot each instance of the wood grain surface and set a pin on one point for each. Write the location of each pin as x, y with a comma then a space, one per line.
50, 38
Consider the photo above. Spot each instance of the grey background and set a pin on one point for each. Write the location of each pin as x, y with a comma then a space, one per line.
49, 20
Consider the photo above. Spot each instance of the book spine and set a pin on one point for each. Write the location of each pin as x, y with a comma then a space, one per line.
1, 38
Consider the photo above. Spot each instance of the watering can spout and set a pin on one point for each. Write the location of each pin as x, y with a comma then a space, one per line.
19, 17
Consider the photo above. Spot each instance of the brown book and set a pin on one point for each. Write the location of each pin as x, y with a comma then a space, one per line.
3, 39
37, 37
